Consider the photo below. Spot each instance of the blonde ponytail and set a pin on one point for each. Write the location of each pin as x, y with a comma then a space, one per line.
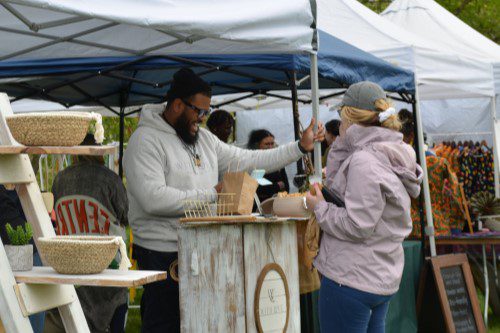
392, 123
352, 115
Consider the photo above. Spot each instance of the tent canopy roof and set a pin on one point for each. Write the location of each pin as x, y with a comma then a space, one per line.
440, 73
91, 81
433, 22
38, 29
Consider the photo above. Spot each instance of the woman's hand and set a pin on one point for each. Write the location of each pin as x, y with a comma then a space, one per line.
313, 199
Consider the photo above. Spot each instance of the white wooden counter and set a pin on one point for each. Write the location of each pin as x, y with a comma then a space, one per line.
219, 265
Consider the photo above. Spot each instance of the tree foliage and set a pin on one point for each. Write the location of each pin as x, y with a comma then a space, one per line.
481, 15
112, 128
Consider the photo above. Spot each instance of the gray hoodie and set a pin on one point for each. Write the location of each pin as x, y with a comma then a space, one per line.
375, 173
161, 175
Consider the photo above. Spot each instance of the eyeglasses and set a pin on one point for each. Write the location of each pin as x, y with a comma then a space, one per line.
201, 112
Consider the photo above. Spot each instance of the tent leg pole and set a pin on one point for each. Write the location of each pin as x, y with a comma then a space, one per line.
496, 157
296, 116
423, 164
122, 136
315, 109
420, 197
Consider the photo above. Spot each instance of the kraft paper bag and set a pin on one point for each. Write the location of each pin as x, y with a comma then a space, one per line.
309, 280
244, 187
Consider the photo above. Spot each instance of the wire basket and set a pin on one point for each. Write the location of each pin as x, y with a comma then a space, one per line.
201, 208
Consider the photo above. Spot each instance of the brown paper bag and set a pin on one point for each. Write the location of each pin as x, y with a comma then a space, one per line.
244, 187
309, 280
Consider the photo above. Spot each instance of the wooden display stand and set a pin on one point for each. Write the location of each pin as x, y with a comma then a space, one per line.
26, 293
239, 276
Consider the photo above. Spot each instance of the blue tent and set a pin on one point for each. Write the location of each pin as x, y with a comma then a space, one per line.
125, 81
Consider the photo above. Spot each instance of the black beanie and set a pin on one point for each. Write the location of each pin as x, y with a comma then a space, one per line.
186, 84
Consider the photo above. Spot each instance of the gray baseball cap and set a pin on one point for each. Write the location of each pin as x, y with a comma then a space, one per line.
362, 95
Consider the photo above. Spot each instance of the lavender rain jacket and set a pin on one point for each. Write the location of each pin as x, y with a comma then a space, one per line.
375, 173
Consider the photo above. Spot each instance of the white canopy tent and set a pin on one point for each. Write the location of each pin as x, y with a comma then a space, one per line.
439, 74
38, 29
444, 77
429, 20
116, 28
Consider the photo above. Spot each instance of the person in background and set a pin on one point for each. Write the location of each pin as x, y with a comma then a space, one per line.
331, 133
263, 139
221, 124
407, 126
90, 199
375, 173
12, 212
408, 130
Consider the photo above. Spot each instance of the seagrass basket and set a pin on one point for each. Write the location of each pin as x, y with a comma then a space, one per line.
78, 254
49, 128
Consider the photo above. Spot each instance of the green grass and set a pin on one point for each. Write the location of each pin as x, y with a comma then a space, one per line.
493, 322
134, 315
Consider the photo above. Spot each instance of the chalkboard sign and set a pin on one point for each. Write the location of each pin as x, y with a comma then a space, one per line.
447, 298
458, 299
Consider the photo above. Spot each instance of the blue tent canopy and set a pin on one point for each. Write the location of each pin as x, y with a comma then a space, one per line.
125, 81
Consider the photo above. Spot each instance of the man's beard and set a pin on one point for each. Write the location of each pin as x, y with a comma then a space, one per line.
182, 127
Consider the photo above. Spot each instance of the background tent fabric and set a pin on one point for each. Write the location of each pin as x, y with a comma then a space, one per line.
339, 65
433, 22
430, 20
439, 74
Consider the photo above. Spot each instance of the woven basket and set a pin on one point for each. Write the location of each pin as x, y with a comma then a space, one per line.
492, 224
50, 128
78, 254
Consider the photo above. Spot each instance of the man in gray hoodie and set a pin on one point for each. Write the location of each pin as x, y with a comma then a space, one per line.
170, 159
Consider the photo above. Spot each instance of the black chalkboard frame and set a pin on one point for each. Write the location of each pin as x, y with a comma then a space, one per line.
452, 260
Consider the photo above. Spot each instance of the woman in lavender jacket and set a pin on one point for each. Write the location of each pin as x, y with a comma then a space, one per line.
361, 256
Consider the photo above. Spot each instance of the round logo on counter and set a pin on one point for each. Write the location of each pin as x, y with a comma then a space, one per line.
272, 300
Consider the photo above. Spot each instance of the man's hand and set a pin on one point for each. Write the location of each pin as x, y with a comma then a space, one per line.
309, 137
218, 187
313, 199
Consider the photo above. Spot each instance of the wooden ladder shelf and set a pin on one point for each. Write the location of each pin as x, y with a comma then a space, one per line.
26, 293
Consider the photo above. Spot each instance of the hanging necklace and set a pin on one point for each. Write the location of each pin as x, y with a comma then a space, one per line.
192, 151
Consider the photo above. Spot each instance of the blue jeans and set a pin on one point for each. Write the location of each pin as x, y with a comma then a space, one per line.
343, 309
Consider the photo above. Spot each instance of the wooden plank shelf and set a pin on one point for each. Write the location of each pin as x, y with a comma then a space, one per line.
108, 278
76, 150
236, 220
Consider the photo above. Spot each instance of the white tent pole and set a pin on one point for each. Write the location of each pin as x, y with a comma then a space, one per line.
429, 231
496, 157
315, 110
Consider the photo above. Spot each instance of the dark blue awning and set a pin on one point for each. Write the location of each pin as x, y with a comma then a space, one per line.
126, 81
